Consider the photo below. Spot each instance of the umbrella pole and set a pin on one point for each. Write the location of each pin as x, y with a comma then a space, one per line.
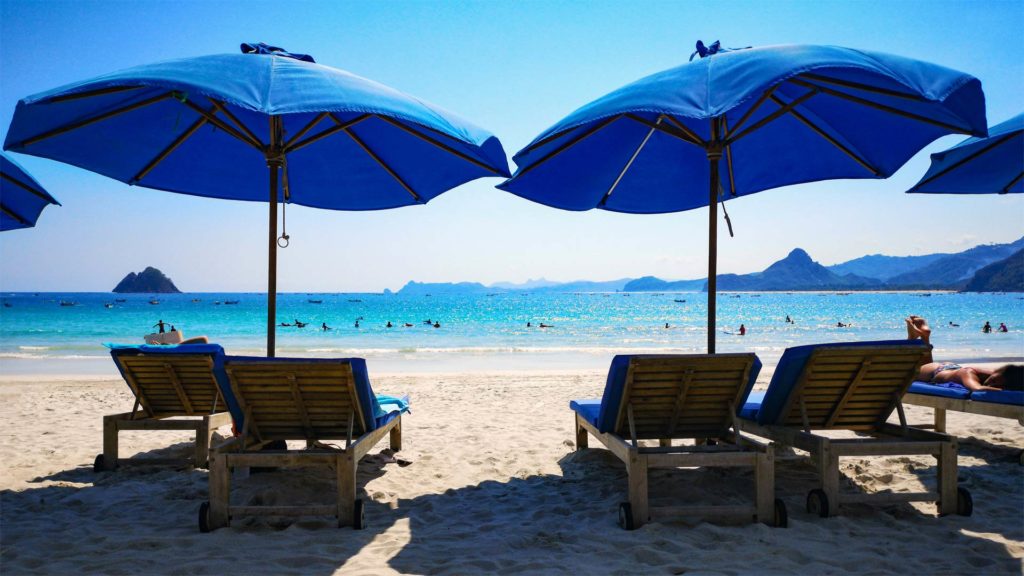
714, 153
272, 266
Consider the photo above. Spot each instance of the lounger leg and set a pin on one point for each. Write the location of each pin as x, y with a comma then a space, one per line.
110, 441
581, 434
828, 471
764, 477
396, 436
203, 434
940, 419
220, 490
947, 477
346, 468
637, 469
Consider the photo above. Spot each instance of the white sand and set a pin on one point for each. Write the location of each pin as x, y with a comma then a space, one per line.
495, 487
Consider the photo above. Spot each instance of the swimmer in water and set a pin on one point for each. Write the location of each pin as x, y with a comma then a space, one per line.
543, 325
437, 324
389, 325
324, 327
743, 330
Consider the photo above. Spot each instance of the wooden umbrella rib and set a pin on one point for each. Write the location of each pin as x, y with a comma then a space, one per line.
86, 122
568, 144
750, 112
728, 160
878, 106
696, 139
42, 195
800, 100
383, 164
168, 150
234, 119
632, 158
338, 127
863, 87
92, 93
439, 144
223, 126
968, 158
11, 213
316, 120
1006, 189
679, 134
817, 130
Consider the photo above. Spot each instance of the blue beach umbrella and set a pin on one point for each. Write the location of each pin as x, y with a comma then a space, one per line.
777, 115
222, 126
22, 199
993, 165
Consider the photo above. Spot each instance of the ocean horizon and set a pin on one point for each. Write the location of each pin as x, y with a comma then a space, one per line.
39, 335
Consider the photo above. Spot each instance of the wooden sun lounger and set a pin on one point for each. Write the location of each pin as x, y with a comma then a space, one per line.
856, 387
684, 397
313, 400
940, 404
166, 386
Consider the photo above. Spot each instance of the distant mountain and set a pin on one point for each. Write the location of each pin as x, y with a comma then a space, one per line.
884, 267
797, 271
652, 284
1003, 276
954, 270
528, 285
150, 281
586, 286
423, 288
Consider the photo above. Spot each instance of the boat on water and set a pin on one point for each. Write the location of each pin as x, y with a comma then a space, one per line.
315, 301
354, 300
197, 300
119, 300
154, 302
231, 301
108, 305
680, 301
68, 303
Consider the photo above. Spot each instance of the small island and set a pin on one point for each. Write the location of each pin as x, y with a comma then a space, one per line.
150, 281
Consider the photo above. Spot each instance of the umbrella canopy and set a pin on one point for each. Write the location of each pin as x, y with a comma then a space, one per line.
993, 165
777, 115
218, 126
22, 199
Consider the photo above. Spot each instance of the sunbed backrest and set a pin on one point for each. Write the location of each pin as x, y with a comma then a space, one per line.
172, 384
295, 400
851, 388
683, 396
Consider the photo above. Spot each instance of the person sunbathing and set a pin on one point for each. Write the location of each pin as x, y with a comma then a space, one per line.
974, 378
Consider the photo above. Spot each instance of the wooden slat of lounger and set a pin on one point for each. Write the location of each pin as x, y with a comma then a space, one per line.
172, 385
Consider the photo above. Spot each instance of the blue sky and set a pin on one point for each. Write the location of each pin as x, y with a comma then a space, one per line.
514, 68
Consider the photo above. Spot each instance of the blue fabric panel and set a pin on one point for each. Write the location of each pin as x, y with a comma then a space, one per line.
947, 390
669, 174
23, 196
215, 351
751, 405
1014, 397
787, 373
588, 409
335, 172
614, 387
367, 400
979, 165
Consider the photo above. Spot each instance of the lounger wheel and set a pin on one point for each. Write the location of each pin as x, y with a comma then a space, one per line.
625, 516
781, 519
204, 517
964, 502
99, 464
817, 503
358, 515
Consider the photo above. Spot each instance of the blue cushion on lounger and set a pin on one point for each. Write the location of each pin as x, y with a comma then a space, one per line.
367, 400
787, 373
751, 405
608, 410
215, 352
588, 409
943, 389
1013, 397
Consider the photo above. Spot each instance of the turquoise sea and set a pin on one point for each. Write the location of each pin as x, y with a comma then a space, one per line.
39, 335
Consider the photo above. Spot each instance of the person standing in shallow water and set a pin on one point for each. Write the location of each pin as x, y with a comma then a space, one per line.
987, 328
743, 330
